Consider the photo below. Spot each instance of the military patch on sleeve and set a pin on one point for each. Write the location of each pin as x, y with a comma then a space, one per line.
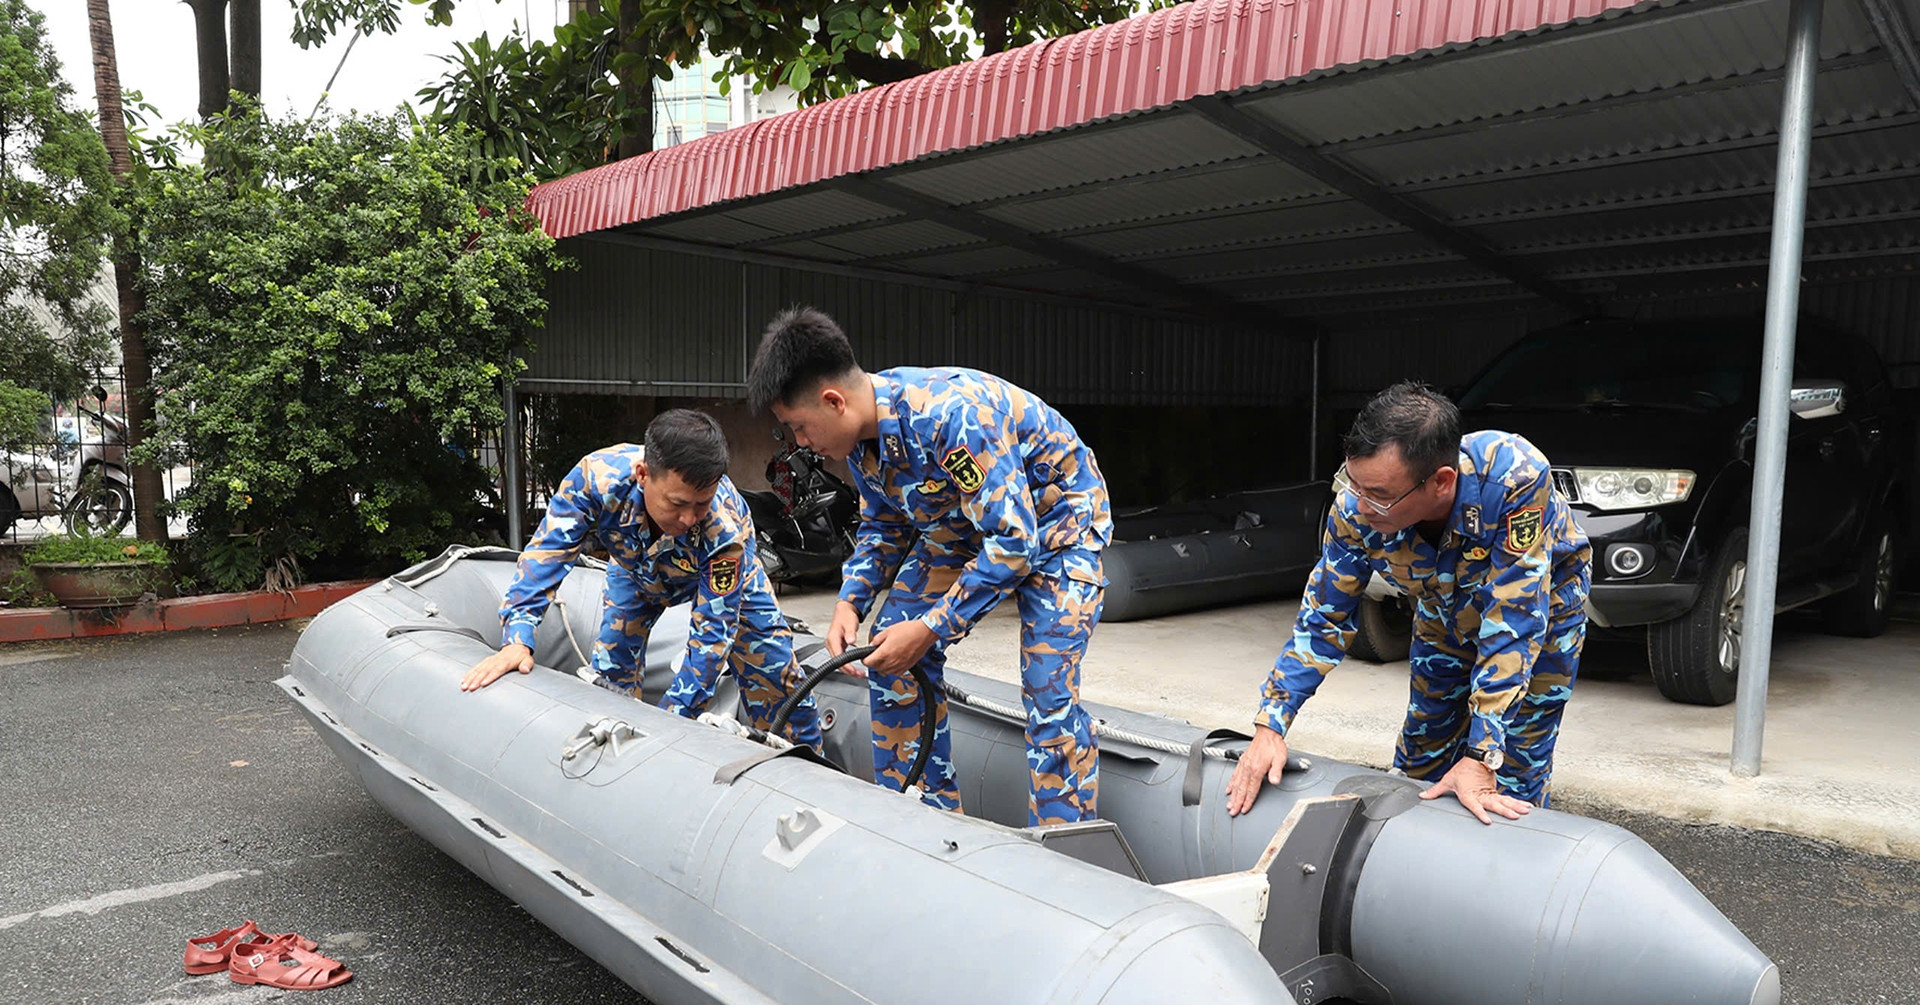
1524, 527
1470, 519
723, 574
966, 472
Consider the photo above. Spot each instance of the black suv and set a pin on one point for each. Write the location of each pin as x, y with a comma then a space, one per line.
1650, 429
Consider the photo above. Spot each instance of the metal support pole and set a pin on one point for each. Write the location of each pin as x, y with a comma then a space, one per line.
1313, 417
1776, 381
510, 468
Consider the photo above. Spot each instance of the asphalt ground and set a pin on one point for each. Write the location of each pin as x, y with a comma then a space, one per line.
158, 787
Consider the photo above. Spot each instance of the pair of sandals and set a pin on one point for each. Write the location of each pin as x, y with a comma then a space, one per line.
250, 956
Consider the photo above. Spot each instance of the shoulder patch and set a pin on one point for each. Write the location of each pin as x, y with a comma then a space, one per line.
965, 470
1524, 527
723, 574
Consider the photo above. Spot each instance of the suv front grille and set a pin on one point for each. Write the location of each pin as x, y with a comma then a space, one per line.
1568, 485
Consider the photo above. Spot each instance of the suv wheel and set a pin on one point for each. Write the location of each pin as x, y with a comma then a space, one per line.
1385, 630
1864, 609
1695, 658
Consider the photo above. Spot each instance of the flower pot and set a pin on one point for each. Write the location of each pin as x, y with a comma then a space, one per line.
97, 584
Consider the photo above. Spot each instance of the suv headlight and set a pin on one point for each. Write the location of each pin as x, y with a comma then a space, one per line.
1631, 488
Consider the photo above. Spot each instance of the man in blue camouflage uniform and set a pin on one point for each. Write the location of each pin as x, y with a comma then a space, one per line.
1473, 531
676, 531
970, 489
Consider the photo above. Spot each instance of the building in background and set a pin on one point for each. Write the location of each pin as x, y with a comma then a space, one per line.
691, 105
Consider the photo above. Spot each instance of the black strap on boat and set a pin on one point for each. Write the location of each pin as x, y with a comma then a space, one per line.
439, 626
1197, 763
730, 773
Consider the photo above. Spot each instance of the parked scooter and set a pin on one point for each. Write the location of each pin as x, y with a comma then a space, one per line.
102, 495
805, 524
85, 484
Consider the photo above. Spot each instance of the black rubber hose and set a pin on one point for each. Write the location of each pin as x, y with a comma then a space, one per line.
927, 725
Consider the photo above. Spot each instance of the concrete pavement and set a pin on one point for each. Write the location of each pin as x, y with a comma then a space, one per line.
1841, 759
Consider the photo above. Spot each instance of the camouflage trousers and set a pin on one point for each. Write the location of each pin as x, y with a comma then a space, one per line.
760, 658
1059, 602
1439, 714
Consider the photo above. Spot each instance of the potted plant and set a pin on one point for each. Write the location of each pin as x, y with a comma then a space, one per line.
83, 570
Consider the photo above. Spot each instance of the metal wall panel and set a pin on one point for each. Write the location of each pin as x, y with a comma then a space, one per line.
643, 320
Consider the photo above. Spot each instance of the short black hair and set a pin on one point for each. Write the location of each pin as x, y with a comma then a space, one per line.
689, 444
802, 349
1414, 417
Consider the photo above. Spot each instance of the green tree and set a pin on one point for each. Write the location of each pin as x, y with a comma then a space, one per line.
827, 48
332, 307
56, 217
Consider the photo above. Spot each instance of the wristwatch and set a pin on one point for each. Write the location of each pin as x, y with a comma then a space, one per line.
1493, 759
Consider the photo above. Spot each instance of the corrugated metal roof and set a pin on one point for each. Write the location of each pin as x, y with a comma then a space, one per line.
1597, 149
1150, 61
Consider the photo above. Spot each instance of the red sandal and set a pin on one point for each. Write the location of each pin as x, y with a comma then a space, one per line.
209, 954
282, 963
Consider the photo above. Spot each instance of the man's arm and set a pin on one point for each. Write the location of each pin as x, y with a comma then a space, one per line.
543, 564
627, 617
979, 448
549, 556
1324, 627
715, 621
1514, 603
879, 546
1321, 633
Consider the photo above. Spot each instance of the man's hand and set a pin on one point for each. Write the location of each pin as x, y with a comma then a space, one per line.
901, 646
842, 633
512, 656
1474, 784
1262, 762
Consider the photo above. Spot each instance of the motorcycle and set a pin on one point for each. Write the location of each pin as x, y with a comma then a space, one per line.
805, 523
86, 484
102, 495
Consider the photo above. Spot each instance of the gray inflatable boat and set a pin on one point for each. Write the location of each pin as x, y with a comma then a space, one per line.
1224, 550
703, 865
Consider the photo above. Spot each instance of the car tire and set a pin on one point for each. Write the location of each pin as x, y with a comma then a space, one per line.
1695, 658
1864, 610
1384, 630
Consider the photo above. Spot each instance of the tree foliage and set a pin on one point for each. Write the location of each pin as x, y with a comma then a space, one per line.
827, 48
56, 217
332, 307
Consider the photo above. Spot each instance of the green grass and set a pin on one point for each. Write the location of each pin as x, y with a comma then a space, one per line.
86, 548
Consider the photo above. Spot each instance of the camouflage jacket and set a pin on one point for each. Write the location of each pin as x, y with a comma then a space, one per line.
713, 565
1510, 564
977, 466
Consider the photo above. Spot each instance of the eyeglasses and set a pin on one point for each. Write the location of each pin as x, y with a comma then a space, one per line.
1343, 482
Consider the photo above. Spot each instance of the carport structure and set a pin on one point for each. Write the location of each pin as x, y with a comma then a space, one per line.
1252, 200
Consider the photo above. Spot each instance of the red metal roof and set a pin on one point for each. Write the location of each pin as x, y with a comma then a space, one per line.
1157, 59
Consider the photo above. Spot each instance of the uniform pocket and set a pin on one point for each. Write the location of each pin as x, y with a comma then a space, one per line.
1082, 568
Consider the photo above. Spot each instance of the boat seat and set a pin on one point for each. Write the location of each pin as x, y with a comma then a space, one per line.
1095, 842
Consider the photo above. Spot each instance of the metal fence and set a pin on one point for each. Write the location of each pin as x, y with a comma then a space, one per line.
76, 472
